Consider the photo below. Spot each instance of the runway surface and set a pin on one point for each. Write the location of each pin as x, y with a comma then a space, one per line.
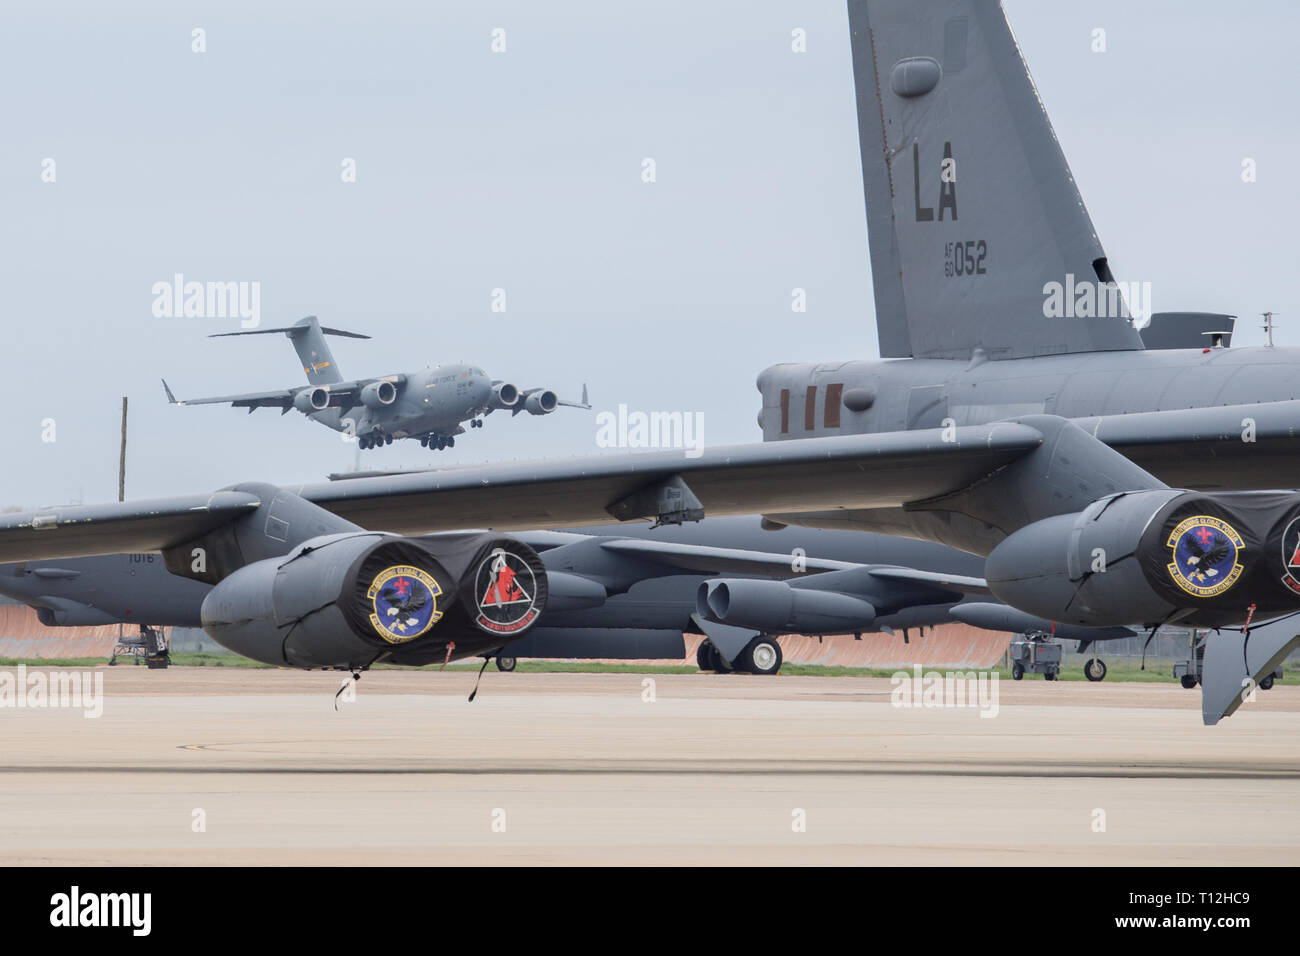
600, 768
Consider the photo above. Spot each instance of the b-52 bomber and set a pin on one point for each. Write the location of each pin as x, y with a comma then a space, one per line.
430, 405
1103, 481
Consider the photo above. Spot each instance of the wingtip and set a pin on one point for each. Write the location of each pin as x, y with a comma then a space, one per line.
171, 399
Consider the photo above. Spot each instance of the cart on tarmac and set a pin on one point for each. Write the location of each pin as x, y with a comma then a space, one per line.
1035, 654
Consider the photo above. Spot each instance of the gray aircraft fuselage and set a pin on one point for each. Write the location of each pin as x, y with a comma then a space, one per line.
922, 393
111, 589
434, 401
867, 397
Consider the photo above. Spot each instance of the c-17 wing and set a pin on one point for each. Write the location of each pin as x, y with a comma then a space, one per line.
585, 403
343, 395
280, 398
851, 471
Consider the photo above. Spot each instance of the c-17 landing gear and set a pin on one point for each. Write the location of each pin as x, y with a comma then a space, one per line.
476, 423
437, 442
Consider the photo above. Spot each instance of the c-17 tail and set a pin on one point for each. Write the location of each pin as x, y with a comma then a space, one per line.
971, 208
308, 337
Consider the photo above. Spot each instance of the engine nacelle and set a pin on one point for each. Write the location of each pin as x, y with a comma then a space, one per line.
351, 600
378, 394
312, 400
503, 396
541, 403
1147, 557
774, 607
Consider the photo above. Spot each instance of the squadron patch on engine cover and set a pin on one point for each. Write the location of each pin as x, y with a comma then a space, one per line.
1291, 555
506, 590
1205, 553
403, 603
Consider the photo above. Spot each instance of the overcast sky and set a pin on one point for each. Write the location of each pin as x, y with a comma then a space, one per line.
522, 171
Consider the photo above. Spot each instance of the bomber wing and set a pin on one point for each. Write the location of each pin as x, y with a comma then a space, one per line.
852, 471
709, 560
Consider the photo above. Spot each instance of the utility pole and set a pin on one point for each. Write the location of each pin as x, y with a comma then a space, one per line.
121, 460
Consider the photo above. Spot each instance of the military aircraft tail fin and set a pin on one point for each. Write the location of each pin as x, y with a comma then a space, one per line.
979, 237
308, 337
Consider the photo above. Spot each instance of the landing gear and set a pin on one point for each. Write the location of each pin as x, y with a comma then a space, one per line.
761, 656
476, 423
1094, 669
1266, 683
1188, 681
506, 664
374, 439
1017, 671
707, 658
437, 442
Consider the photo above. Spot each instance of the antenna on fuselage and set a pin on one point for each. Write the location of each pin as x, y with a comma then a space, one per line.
1268, 328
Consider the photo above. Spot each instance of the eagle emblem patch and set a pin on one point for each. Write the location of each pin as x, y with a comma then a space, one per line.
403, 603
1205, 556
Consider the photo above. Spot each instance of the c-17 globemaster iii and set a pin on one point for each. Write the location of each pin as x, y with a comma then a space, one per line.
429, 405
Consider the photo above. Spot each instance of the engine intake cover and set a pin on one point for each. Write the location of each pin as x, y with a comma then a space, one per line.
347, 600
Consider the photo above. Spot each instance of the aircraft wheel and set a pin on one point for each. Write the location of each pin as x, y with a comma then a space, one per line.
1049, 676
1095, 669
451, 443
506, 664
761, 656
1188, 681
1266, 683
1017, 670
704, 656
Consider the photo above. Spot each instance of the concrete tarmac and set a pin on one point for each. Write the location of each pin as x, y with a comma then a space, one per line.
213, 766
